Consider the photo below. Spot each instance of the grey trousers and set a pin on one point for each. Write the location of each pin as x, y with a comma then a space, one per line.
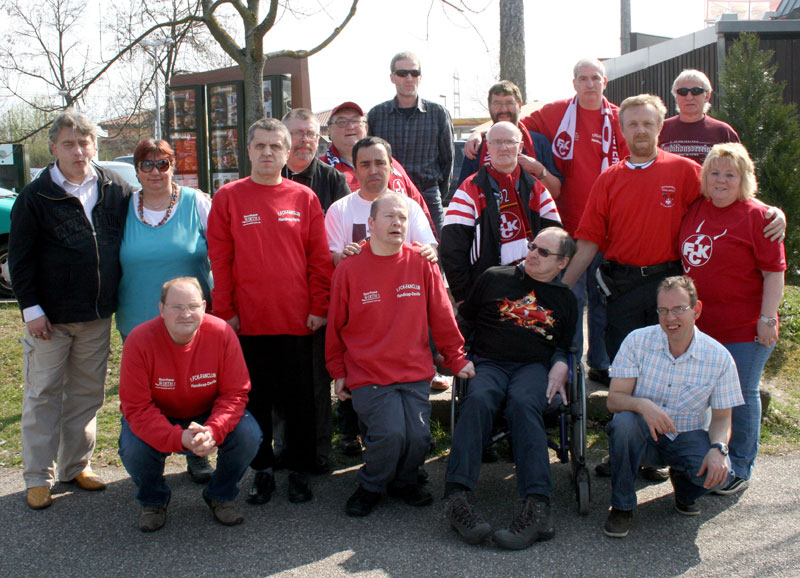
397, 419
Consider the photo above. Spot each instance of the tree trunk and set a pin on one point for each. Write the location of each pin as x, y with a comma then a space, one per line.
512, 43
253, 71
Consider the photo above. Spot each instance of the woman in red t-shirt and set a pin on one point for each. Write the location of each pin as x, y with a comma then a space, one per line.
739, 278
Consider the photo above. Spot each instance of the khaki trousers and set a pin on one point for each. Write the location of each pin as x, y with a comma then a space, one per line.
64, 389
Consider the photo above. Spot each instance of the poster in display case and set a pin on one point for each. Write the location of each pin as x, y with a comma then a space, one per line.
183, 110
187, 171
223, 105
277, 91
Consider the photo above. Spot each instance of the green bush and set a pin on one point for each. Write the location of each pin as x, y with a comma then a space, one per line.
752, 102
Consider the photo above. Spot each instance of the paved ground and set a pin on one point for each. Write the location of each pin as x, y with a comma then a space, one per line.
756, 534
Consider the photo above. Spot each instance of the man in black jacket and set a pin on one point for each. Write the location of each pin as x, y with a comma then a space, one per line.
66, 231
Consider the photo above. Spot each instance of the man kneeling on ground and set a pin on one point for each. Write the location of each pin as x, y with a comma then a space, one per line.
523, 322
383, 300
183, 388
663, 382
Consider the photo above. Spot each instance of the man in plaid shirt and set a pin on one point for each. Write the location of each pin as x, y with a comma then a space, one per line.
664, 380
420, 132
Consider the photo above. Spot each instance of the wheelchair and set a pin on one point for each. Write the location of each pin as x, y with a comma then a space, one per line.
566, 425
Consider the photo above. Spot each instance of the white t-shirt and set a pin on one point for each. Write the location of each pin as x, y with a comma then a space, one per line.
346, 222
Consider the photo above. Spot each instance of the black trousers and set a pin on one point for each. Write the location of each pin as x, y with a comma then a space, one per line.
281, 374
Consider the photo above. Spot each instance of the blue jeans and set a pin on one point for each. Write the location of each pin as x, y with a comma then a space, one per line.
145, 464
750, 358
586, 289
397, 421
521, 387
433, 199
631, 445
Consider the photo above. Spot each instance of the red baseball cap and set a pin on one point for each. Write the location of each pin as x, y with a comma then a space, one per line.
345, 105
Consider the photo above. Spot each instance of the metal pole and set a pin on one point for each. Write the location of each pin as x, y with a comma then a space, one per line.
625, 26
158, 100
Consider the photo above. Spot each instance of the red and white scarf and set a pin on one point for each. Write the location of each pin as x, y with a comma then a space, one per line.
565, 135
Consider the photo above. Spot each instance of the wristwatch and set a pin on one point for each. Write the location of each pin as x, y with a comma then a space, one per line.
723, 448
770, 321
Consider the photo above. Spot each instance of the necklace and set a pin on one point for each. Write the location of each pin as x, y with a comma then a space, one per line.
172, 199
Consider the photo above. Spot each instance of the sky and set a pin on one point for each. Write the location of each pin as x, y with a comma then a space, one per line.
355, 66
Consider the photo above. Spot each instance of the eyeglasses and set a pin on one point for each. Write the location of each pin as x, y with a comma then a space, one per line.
402, 73
541, 250
348, 122
180, 309
309, 134
695, 90
509, 143
662, 311
161, 164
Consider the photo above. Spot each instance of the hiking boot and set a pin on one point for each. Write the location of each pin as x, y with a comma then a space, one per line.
654, 474
362, 502
532, 523
413, 494
687, 509
199, 469
152, 518
737, 485
262, 488
465, 520
618, 523
226, 513
299, 490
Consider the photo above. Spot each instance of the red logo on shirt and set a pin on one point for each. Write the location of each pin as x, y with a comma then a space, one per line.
510, 226
696, 249
667, 196
526, 312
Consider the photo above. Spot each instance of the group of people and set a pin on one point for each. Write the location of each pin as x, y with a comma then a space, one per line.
325, 271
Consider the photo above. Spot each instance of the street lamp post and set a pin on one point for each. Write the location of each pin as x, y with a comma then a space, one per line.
155, 44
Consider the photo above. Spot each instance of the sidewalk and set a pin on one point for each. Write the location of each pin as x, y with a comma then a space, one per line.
754, 534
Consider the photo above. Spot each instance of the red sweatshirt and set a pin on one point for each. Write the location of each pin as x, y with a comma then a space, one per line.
159, 379
269, 256
381, 307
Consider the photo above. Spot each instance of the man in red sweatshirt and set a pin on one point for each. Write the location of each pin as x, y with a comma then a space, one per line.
275, 296
382, 302
183, 388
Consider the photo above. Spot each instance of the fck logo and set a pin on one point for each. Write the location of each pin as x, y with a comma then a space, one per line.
697, 249
563, 144
509, 226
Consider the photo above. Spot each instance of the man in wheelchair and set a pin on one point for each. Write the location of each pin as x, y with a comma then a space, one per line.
521, 322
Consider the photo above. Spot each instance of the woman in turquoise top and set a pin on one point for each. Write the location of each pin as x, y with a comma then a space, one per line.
165, 236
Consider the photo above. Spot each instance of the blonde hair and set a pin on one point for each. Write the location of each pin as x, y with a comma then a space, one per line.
644, 100
740, 159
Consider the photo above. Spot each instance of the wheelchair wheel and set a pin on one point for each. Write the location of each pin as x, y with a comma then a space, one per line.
583, 493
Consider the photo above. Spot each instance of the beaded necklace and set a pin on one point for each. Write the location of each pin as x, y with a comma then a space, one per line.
173, 198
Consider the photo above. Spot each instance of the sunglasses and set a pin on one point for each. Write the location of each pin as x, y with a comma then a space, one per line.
161, 164
402, 73
541, 250
695, 90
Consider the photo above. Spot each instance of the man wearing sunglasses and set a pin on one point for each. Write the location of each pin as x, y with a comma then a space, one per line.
183, 387
692, 133
66, 232
522, 321
665, 379
420, 132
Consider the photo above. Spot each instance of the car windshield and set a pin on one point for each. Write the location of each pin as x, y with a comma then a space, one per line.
126, 171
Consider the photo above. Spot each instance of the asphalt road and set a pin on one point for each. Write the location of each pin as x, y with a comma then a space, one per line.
86, 534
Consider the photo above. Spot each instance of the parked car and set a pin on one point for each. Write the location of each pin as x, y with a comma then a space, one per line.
125, 159
7, 199
458, 160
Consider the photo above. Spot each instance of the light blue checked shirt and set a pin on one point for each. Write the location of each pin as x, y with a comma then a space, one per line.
704, 376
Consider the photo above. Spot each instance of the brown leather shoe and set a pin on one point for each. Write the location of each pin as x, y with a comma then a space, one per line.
90, 481
39, 497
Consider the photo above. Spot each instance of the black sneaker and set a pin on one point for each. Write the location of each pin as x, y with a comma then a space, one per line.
600, 376
532, 523
603, 469
362, 502
737, 485
413, 494
199, 469
690, 509
618, 523
299, 490
262, 488
654, 474
465, 520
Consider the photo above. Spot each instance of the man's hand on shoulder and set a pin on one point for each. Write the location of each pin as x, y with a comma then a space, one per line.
427, 251
473, 145
775, 230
